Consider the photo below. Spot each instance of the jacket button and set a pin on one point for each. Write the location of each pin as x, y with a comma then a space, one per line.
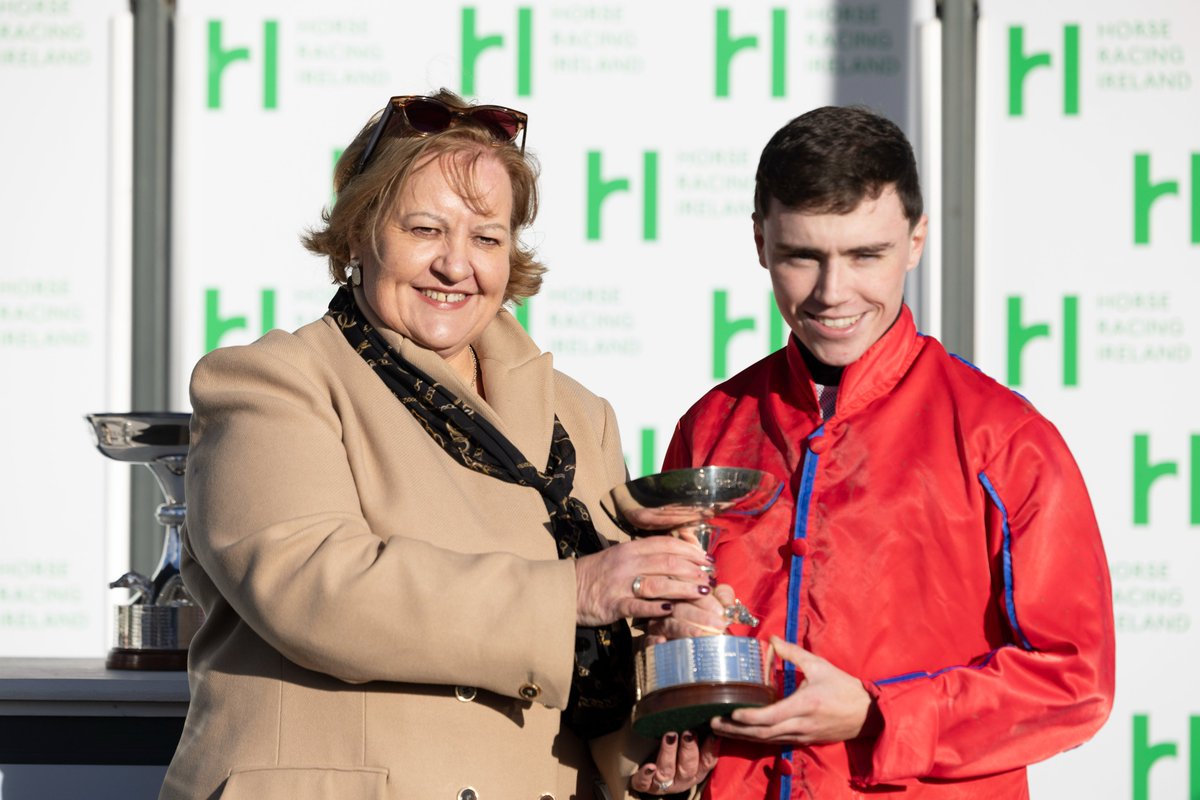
530, 691
546, 796
467, 794
818, 445
465, 693
799, 547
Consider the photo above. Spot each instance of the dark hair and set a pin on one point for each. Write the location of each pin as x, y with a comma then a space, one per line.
830, 159
364, 199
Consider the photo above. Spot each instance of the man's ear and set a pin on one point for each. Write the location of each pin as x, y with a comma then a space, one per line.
758, 239
916, 242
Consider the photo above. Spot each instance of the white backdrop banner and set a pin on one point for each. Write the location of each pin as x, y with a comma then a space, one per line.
65, 85
1089, 272
647, 119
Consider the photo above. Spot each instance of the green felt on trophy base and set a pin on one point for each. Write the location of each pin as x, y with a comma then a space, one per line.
691, 706
690, 718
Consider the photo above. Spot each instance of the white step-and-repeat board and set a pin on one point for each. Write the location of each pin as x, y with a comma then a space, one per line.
1088, 284
66, 86
647, 119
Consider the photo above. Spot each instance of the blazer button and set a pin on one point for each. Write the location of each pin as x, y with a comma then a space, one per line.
546, 796
819, 445
465, 694
799, 547
467, 794
530, 691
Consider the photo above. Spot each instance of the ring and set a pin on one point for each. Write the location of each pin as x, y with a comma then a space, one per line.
637, 587
662, 786
739, 613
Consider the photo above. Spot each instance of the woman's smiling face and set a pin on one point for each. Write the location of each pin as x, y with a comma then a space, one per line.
443, 260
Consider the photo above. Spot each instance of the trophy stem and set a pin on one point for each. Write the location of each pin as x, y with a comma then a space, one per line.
171, 515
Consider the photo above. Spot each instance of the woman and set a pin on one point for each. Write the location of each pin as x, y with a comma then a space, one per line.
392, 521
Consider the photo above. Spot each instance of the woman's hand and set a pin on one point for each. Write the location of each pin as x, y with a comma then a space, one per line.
641, 578
681, 764
829, 705
704, 616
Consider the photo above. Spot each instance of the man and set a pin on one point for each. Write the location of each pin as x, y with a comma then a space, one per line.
933, 570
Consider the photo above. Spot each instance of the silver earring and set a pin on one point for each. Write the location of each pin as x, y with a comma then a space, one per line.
355, 272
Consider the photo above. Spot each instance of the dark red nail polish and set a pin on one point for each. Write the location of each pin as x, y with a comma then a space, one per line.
670, 738
712, 582
667, 606
711, 558
688, 737
703, 589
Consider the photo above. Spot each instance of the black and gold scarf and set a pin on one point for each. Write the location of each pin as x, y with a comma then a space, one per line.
602, 686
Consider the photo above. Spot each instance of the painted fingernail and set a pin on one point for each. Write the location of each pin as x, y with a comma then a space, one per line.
711, 558
670, 738
667, 606
703, 589
712, 582
648, 769
688, 737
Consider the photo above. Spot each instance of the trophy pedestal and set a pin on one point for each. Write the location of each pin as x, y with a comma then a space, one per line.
683, 683
686, 708
146, 659
153, 637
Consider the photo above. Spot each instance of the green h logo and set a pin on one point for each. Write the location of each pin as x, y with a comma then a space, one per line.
1020, 65
1020, 335
216, 326
520, 310
1146, 754
724, 329
649, 455
473, 44
220, 58
728, 46
599, 189
1146, 473
1145, 193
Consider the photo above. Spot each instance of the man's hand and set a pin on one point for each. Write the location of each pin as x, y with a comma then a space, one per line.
828, 706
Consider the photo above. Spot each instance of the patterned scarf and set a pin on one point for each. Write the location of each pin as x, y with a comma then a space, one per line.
602, 686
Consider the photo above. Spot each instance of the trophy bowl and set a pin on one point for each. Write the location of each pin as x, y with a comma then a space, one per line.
683, 683
154, 629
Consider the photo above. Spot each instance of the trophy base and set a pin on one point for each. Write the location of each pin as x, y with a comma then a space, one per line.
684, 708
123, 658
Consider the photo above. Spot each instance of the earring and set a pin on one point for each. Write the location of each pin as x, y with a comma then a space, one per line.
355, 272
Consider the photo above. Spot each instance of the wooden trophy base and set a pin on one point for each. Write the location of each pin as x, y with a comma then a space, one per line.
121, 658
688, 707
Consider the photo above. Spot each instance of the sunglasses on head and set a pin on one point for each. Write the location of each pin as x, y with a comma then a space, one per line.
428, 115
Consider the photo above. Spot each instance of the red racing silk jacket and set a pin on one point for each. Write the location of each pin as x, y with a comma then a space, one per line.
935, 539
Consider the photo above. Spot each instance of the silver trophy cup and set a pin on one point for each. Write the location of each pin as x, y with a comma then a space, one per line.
154, 629
683, 683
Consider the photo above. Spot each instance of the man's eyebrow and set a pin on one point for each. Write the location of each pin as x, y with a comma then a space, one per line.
871, 249
800, 251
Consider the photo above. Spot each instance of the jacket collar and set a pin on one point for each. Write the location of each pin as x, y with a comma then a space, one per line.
519, 379
874, 374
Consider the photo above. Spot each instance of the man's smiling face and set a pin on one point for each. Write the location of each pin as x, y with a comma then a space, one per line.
839, 278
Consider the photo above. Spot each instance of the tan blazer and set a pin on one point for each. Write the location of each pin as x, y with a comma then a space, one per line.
378, 614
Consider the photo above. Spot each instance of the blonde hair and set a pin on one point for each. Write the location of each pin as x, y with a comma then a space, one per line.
365, 199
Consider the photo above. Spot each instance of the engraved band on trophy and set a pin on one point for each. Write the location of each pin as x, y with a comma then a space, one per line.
683, 683
154, 629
